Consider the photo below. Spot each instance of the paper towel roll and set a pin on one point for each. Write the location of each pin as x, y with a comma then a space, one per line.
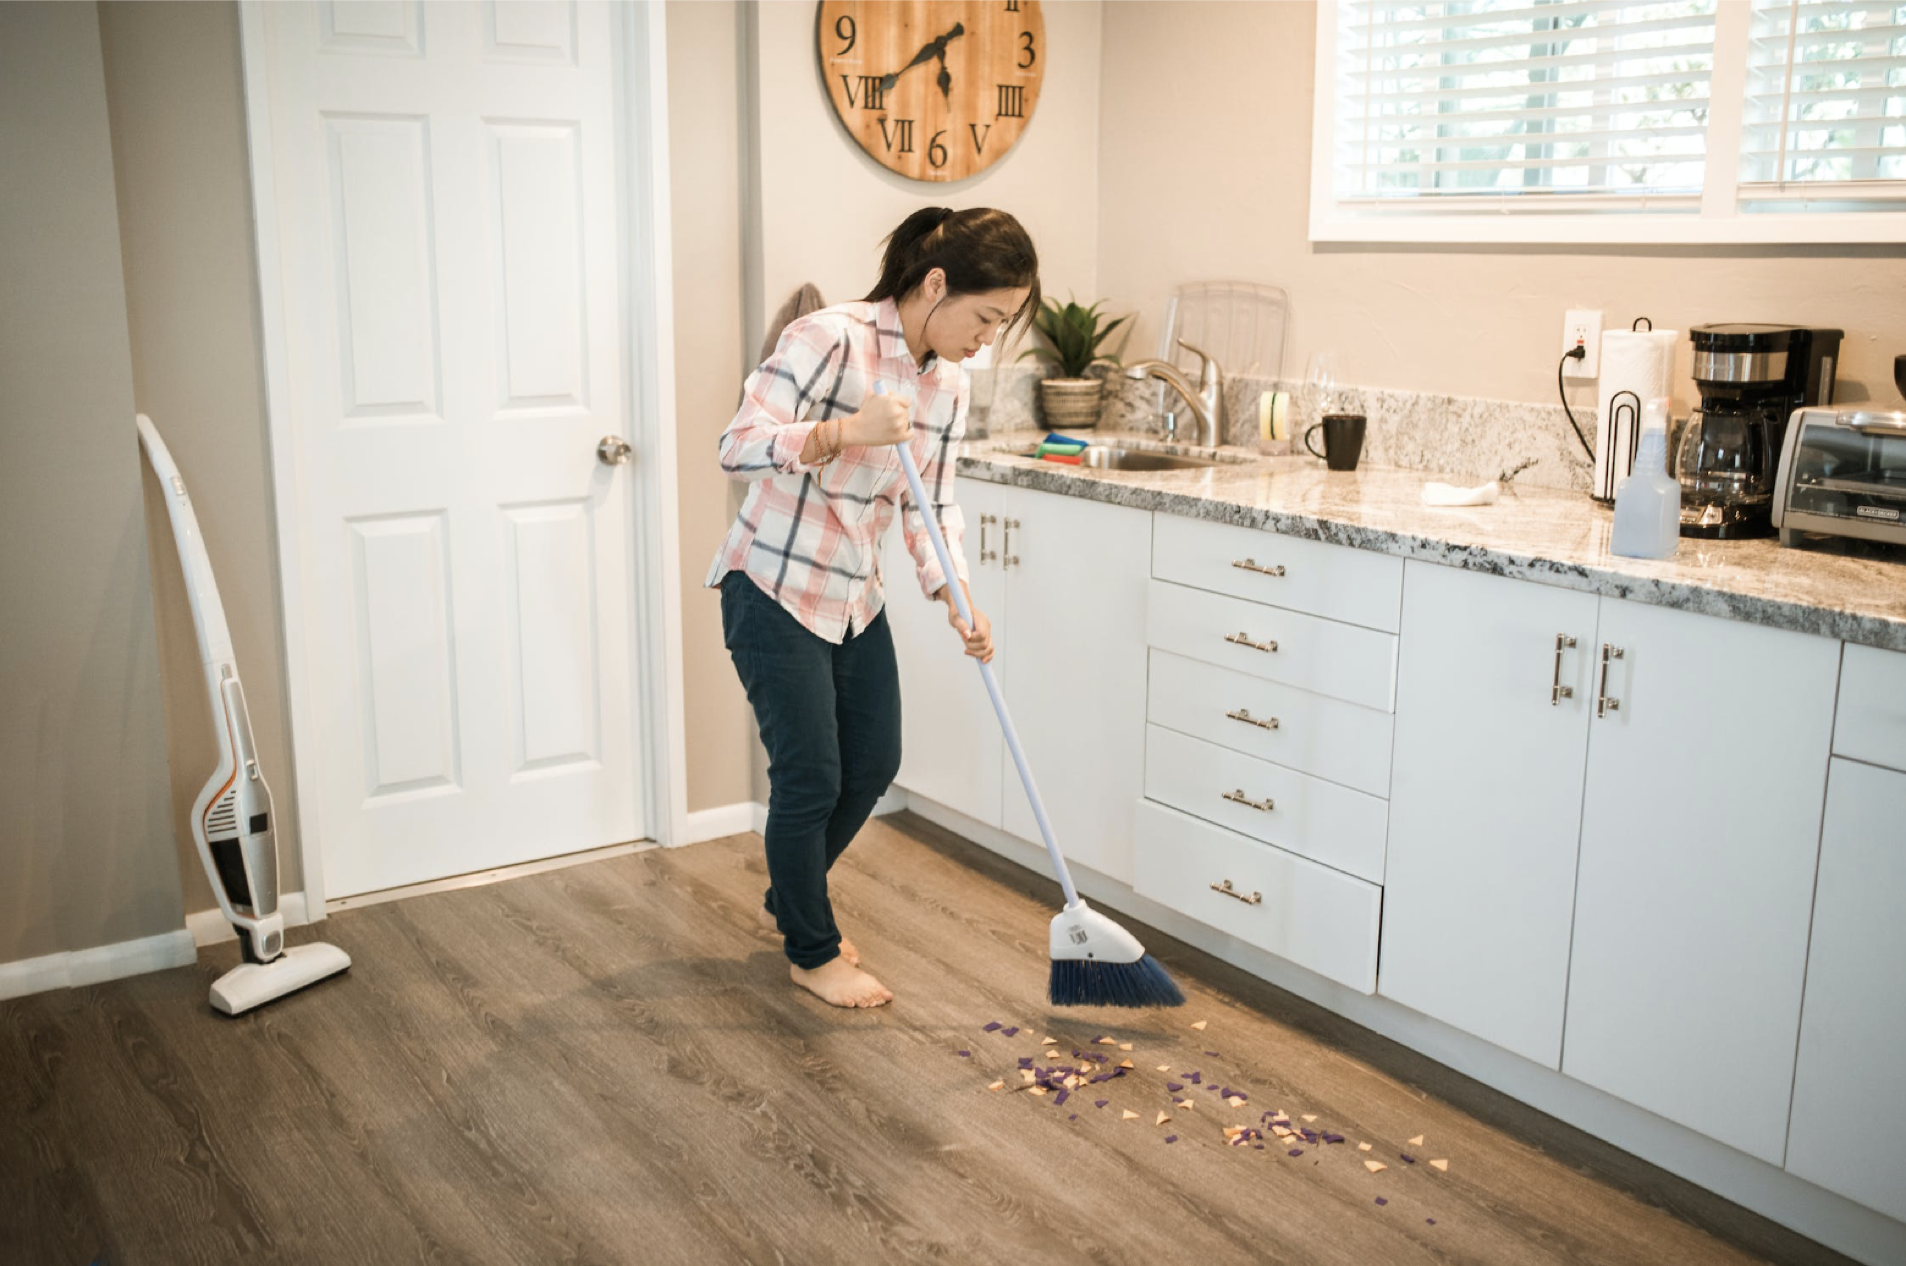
1640, 361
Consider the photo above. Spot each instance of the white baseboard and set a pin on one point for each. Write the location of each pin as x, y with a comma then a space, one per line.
209, 927
101, 963
1772, 1192
758, 818
721, 822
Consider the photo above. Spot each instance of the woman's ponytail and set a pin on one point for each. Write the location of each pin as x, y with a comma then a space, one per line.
979, 249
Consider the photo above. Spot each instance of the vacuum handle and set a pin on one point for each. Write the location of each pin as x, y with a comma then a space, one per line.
925, 507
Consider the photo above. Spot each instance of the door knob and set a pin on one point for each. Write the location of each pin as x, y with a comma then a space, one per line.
613, 451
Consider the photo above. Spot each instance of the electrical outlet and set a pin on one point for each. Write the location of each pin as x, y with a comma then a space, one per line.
1582, 327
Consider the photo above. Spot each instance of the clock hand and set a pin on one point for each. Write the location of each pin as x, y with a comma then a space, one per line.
932, 49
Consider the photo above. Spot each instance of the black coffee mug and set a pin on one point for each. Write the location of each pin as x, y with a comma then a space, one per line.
1343, 440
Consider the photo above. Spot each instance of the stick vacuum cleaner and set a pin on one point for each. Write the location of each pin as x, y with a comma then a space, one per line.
231, 818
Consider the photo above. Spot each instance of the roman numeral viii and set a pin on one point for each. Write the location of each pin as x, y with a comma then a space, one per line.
902, 132
871, 97
1012, 102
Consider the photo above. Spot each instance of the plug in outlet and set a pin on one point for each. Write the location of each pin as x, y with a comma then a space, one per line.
1582, 327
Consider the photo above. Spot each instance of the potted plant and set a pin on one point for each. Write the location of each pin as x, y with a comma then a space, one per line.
1073, 335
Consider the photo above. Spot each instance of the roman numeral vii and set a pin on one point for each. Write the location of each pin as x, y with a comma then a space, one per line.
902, 132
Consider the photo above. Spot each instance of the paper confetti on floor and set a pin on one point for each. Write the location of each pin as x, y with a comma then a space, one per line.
1053, 1081
1200, 1025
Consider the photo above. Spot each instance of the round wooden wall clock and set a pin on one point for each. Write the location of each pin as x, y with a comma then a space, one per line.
933, 89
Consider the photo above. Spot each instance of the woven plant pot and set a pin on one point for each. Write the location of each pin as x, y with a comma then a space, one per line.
1071, 404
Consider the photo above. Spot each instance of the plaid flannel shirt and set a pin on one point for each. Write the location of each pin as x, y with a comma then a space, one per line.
808, 535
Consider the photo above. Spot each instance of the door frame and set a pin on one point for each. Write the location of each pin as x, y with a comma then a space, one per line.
645, 302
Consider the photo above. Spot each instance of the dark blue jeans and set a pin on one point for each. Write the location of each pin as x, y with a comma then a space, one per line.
830, 719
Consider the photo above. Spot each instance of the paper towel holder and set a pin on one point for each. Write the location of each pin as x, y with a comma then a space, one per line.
1621, 414
1635, 325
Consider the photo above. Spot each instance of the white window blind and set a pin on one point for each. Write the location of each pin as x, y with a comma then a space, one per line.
1826, 100
1522, 99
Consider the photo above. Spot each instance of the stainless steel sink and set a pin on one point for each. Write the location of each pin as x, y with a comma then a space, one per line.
1101, 457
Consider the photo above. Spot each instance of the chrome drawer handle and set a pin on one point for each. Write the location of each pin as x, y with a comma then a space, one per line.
1011, 558
1557, 691
985, 521
1244, 639
1251, 564
1604, 702
1238, 797
1244, 715
1255, 899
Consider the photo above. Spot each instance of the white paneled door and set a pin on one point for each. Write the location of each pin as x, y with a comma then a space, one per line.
444, 191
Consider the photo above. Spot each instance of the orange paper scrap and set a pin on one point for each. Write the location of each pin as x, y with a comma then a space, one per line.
1440, 1164
1417, 1141
1200, 1025
1162, 1118
1129, 1115
996, 1085
1375, 1167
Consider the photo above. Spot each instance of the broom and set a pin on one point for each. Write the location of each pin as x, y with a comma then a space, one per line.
1095, 962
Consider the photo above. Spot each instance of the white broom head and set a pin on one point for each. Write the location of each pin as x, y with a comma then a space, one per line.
1081, 933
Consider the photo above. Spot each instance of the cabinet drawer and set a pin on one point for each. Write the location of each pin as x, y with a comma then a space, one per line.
1320, 919
1335, 581
1871, 723
1308, 816
1343, 661
1309, 732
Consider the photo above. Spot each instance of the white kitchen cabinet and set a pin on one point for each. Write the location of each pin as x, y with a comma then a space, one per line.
1321, 919
951, 749
1486, 804
1063, 581
1871, 723
1312, 817
1700, 829
1077, 573
1849, 1103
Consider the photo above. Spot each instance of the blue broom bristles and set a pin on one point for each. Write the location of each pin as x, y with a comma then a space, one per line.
1080, 982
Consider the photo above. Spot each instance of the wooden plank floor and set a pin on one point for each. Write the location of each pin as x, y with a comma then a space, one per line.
608, 1064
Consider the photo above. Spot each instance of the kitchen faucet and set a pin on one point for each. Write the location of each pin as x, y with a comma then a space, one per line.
1206, 401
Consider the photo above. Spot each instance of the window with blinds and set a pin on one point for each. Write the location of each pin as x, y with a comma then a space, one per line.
1689, 120
1506, 97
1826, 98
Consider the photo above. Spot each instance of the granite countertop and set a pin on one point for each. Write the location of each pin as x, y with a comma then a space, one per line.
1845, 589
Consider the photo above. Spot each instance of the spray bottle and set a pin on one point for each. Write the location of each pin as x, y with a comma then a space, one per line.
1648, 503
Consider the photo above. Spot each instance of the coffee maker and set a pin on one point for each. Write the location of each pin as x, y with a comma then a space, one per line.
1751, 379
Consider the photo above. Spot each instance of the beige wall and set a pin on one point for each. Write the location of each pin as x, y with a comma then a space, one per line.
704, 69
85, 816
1205, 162
176, 95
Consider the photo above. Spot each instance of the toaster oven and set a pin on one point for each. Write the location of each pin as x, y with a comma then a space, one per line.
1843, 473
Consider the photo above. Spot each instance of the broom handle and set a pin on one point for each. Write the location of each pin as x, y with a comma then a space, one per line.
925, 508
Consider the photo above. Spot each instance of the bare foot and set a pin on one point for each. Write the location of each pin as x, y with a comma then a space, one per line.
841, 984
848, 950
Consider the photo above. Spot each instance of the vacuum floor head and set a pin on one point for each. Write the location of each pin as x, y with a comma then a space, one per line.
246, 986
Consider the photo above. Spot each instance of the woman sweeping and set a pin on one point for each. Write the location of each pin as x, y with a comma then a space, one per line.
802, 595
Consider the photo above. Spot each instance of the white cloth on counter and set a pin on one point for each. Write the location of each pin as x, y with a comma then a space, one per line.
1441, 494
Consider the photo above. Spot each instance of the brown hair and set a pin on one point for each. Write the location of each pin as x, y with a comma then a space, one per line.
979, 248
